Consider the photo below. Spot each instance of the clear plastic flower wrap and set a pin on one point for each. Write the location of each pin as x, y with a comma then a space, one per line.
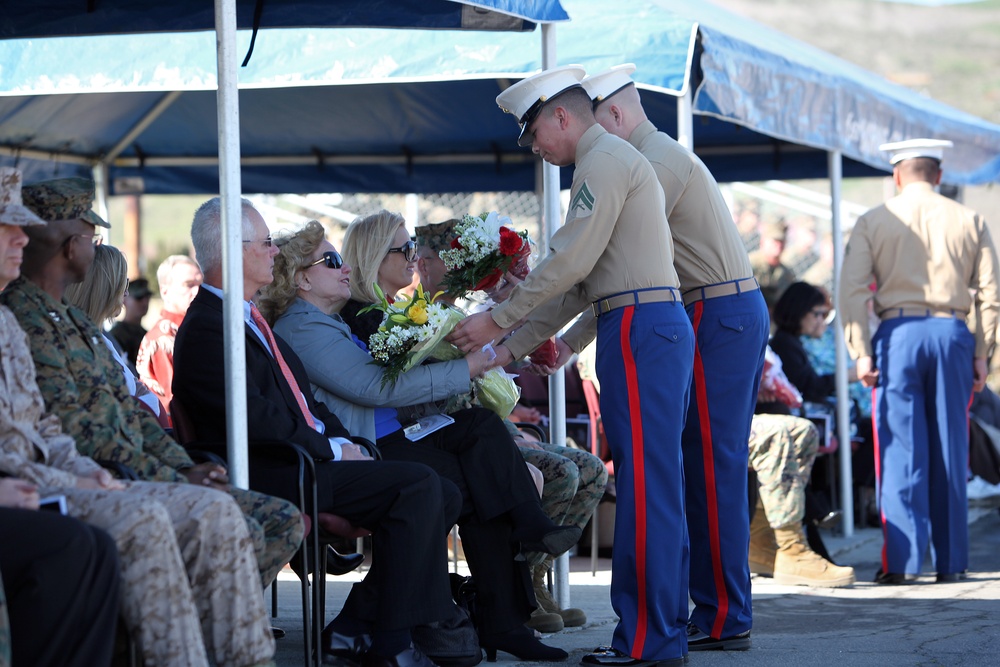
496, 391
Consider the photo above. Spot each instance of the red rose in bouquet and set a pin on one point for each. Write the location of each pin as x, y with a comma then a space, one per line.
485, 248
545, 354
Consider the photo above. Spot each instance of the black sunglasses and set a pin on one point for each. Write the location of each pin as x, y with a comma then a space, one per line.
409, 250
331, 258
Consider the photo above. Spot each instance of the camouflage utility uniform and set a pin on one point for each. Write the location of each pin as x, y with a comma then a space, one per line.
83, 386
185, 551
782, 451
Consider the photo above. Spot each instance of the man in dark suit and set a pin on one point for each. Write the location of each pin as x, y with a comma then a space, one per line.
407, 506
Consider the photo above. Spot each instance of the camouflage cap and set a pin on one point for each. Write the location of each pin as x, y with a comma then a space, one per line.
437, 236
63, 199
12, 210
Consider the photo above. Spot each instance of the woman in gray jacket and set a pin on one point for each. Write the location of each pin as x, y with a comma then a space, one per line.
501, 508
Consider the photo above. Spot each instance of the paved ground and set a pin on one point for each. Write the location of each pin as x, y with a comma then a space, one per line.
919, 624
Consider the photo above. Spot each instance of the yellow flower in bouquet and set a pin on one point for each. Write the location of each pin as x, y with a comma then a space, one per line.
411, 332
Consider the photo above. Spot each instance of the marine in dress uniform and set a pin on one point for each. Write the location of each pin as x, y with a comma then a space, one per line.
934, 265
614, 256
729, 316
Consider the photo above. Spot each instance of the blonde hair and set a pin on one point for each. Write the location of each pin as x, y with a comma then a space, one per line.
101, 291
296, 249
366, 243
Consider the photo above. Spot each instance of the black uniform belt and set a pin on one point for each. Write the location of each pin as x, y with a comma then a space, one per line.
721, 289
653, 295
893, 313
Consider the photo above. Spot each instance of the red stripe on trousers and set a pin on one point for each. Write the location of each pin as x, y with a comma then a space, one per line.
708, 464
878, 478
639, 479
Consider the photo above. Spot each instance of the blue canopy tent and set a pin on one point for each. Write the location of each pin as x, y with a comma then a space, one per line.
414, 112
53, 18
379, 110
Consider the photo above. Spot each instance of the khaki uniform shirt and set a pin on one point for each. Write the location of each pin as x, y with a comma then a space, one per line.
707, 246
924, 251
615, 239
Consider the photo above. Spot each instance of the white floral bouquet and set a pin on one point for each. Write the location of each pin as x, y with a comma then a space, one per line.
487, 246
411, 332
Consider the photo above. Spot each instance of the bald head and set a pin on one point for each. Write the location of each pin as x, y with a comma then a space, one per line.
621, 113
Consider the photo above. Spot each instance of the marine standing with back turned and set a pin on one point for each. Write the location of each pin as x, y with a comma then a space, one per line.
934, 265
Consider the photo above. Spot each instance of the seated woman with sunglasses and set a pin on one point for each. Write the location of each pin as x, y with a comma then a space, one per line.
501, 508
802, 310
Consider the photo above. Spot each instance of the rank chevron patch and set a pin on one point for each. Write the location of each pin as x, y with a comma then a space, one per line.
583, 202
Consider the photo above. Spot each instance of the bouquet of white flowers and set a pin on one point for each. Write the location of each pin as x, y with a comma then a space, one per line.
486, 247
411, 332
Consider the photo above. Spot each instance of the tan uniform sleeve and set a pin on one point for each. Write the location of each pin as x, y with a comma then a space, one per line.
987, 302
855, 277
575, 248
546, 321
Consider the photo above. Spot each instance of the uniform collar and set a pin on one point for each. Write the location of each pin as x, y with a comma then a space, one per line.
641, 131
588, 139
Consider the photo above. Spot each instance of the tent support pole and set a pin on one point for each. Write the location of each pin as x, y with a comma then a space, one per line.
685, 120
232, 244
100, 172
557, 381
835, 164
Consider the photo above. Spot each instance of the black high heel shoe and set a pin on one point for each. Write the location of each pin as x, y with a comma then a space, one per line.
555, 541
522, 644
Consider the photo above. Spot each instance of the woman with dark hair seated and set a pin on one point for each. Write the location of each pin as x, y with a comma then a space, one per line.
803, 310
312, 282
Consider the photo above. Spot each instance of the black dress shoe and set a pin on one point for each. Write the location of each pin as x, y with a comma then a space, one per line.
893, 578
338, 563
411, 657
952, 577
606, 656
521, 643
277, 633
556, 541
699, 641
344, 650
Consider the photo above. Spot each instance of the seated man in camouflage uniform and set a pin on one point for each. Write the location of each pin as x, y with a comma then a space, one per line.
782, 451
187, 564
83, 386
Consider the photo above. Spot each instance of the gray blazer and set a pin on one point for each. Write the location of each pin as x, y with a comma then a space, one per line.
342, 376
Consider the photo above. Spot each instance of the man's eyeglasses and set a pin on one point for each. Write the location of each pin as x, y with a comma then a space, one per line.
95, 238
820, 313
331, 258
266, 241
409, 250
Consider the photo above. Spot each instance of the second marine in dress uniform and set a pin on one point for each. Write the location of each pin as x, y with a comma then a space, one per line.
730, 323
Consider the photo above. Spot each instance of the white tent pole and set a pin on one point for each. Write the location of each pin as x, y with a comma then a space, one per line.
143, 123
843, 406
557, 381
100, 172
685, 120
232, 242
